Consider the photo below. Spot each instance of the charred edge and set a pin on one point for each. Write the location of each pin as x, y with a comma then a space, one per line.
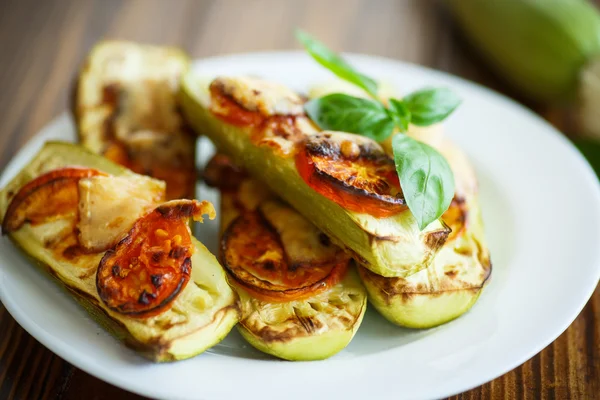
183, 209
178, 252
354, 191
146, 297
72, 252
186, 267
231, 269
485, 261
451, 273
157, 280
435, 240
24, 192
124, 308
311, 289
157, 256
391, 288
320, 145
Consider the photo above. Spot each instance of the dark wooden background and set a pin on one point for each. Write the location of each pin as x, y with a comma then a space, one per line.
43, 41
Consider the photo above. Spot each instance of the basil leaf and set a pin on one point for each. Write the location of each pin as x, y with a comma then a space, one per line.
431, 105
425, 177
335, 63
341, 112
400, 114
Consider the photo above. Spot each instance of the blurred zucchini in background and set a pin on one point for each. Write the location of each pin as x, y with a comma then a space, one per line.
547, 49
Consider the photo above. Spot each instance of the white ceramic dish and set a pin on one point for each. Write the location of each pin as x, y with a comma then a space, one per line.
541, 204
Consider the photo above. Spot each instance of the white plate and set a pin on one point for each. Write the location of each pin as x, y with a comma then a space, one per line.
541, 205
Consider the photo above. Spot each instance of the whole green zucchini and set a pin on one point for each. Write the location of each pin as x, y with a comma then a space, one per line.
548, 49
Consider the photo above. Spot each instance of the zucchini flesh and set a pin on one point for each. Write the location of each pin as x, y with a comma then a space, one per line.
300, 330
203, 313
391, 246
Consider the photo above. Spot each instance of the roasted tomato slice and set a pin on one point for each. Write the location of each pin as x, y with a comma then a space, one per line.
352, 171
227, 109
254, 255
456, 217
143, 274
49, 196
221, 173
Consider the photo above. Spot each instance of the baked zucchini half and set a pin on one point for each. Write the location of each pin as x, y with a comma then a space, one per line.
300, 295
125, 108
454, 281
104, 233
324, 175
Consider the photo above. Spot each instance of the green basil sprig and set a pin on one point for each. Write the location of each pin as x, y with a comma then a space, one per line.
426, 179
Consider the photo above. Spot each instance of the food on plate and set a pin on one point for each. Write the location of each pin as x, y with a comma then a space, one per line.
344, 184
300, 295
456, 277
109, 237
125, 108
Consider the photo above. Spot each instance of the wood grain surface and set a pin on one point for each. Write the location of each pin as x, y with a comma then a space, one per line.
43, 41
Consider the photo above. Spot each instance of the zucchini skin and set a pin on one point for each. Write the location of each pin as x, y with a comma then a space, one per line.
307, 347
539, 46
405, 252
160, 347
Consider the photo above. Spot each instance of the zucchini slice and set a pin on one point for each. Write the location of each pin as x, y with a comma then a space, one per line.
200, 316
390, 246
454, 281
446, 289
320, 313
125, 108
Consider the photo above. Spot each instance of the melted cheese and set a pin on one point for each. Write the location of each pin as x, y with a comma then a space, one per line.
303, 242
268, 98
109, 206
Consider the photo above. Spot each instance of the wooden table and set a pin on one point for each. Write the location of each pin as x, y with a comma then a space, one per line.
43, 41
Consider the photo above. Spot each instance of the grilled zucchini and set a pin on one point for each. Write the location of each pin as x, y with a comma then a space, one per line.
456, 277
300, 295
125, 108
66, 244
453, 282
262, 134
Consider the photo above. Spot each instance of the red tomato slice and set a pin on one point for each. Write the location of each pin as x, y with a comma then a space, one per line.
49, 196
143, 274
352, 171
254, 256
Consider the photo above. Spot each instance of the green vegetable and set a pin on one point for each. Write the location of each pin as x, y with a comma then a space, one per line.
340, 112
426, 200
400, 114
335, 63
426, 178
430, 106
548, 49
